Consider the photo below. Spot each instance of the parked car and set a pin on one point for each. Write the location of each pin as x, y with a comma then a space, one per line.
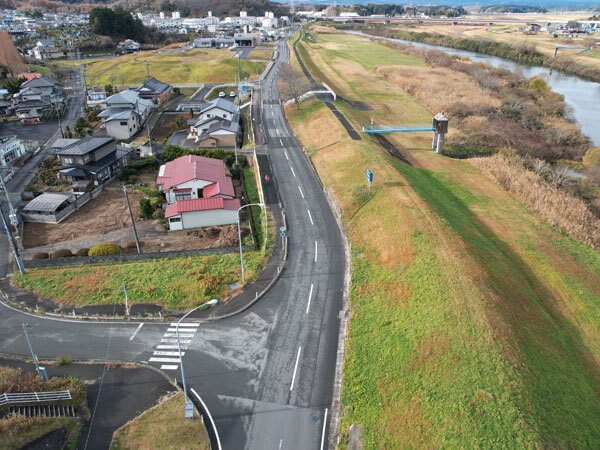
221, 94
232, 94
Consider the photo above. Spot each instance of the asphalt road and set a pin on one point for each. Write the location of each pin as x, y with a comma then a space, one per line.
266, 374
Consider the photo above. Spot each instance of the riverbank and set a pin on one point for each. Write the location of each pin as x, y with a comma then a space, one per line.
482, 315
522, 54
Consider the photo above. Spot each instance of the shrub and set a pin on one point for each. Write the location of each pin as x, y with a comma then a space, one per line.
145, 208
157, 214
105, 248
82, 252
155, 202
592, 157
41, 255
64, 360
61, 253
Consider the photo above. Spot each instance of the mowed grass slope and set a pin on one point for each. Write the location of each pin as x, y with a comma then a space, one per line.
474, 324
192, 67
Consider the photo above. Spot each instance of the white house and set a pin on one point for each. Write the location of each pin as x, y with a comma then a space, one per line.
10, 149
198, 192
125, 113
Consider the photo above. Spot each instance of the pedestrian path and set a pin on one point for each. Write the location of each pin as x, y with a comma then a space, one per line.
167, 351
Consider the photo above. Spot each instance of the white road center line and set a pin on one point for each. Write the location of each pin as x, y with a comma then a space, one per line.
301, 193
310, 217
295, 368
280, 442
323, 433
293, 173
169, 367
286, 156
281, 142
309, 297
136, 331
195, 325
316, 246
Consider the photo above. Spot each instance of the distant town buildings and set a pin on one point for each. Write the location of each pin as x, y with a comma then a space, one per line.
129, 46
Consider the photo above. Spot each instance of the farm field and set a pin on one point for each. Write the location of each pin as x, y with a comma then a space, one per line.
513, 35
474, 323
192, 67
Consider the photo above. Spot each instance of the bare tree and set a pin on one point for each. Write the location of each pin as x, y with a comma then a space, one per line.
561, 176
294, 83
539, 166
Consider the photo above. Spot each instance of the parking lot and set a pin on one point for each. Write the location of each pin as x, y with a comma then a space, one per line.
39, 132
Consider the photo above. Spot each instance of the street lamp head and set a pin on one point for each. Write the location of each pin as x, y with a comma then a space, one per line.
214, 301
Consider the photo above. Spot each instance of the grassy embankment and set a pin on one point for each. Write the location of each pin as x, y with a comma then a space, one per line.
17, 431
162, 427
192, 67
474, 323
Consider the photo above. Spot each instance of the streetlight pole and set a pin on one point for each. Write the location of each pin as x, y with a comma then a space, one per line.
137, 241
262, 205
41, 373
210, 302
12, 243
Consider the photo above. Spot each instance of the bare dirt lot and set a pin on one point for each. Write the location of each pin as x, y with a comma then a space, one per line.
106, 213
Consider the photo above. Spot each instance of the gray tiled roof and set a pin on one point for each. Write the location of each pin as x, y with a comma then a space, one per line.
86, 145
155, 85
47, 202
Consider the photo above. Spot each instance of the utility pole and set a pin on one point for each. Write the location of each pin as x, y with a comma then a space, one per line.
12, 243
147, 69
149, 137
137, 241
40, 370
13, 214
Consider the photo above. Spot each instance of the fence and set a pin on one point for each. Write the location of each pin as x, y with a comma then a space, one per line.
34, 397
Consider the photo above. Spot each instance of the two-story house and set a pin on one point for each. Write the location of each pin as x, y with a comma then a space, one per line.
92, 158
198, 192
36, 96
125, 113
155, 90
10, 149
217, 125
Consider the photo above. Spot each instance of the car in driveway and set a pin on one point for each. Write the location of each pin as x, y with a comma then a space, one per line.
221, 94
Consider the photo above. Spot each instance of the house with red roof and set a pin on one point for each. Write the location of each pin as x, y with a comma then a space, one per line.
198, 193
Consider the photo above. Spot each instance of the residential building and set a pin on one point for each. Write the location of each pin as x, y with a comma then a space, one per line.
31, 111
192, 176
155, 90
129, 46
49, 207
43, 52
219, 107
221, 134
125, 114
10, 148
202, 212
36, 96
96, 97
97, 159
247, 39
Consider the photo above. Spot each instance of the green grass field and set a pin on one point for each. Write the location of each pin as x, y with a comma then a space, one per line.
193, 67
162, 427
175, 283
473, 323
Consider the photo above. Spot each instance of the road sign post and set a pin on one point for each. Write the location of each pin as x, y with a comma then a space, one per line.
369, 178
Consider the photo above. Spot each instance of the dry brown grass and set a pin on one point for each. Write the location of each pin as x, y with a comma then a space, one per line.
570, 214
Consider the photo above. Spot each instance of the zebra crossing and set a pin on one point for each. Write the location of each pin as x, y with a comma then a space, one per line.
167, 351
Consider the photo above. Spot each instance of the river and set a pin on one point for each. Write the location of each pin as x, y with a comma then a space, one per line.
583, 97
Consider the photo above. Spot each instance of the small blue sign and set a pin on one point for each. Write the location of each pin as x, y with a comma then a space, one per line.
369, 176
282, 234
189, 410
244, 87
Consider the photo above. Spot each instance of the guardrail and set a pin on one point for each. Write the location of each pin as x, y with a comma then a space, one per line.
33, 397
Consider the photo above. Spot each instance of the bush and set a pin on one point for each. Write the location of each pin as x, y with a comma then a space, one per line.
105, 248
61, 253
41, 255
157, 214
82, 252
155, 202
145, 208
64, 360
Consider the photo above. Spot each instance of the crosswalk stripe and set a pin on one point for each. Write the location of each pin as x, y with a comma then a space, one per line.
169, 367
195, 325
180, 335
181, 330
166, 360
174, 341
161, 353
165, 347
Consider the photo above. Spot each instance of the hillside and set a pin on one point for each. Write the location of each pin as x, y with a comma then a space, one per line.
9, 57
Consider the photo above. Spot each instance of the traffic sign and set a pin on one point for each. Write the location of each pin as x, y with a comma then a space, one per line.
189, 410
281, 228
282, 234
369, 177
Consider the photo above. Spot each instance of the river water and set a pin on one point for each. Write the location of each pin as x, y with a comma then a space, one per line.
583, 97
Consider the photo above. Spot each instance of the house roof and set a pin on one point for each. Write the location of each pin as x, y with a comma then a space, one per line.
201, 204
83, 146
28, 104
221, 103
153, 85
47, 202
193, 167
61, 143
29, 75
127, 96
38, 82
